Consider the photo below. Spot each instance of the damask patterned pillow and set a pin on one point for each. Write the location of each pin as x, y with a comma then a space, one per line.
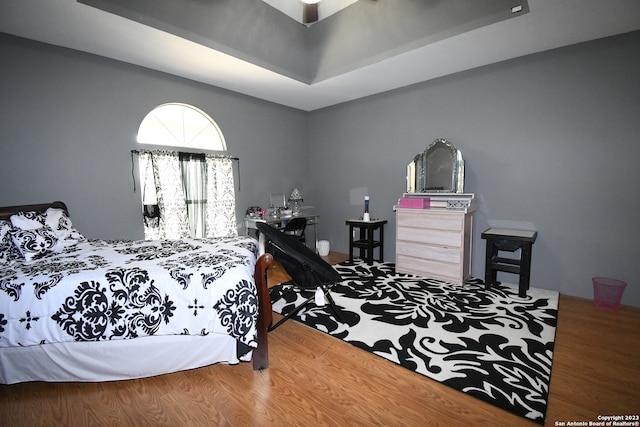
8, 251
37, 243
27, 220
54, 218
61, 224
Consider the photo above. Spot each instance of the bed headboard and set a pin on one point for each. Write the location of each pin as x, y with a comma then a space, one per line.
7, 211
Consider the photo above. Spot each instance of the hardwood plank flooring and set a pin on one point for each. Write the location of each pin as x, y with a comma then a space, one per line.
314, 379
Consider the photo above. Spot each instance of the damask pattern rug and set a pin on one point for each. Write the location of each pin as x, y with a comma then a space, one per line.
490, 344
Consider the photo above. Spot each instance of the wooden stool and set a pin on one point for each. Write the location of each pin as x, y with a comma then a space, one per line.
501, 239
366, 242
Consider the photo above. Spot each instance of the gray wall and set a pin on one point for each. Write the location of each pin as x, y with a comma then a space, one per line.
550, 142
69, 120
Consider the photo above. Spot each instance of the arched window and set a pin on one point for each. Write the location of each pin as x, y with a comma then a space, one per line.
185, 194
181, 125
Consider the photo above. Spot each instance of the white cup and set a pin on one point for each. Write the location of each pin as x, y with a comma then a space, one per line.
323, 247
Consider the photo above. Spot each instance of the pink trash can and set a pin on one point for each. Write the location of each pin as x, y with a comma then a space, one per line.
607, 293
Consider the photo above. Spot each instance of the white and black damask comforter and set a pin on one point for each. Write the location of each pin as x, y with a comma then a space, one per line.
108, 290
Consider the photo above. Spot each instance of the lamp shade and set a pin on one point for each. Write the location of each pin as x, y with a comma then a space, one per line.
295, 195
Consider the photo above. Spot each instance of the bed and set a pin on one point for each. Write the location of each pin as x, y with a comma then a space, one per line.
74, 309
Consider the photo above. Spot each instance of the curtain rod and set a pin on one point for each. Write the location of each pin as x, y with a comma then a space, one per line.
224, 156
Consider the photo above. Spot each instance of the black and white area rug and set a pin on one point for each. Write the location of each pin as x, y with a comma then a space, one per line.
490, 344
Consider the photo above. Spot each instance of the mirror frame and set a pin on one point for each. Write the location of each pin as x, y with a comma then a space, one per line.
277, 200
421, 172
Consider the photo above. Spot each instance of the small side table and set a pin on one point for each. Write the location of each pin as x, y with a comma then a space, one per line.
365, 240
502, 239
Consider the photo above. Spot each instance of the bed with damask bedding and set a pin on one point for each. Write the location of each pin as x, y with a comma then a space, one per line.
74, 309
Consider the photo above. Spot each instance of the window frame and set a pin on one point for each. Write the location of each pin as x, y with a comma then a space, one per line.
157, 130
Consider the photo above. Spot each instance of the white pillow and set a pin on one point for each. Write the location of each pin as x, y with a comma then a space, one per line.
27, 220
37, 243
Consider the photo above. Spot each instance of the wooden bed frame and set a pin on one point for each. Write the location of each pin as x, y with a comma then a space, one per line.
265, 315
7, 211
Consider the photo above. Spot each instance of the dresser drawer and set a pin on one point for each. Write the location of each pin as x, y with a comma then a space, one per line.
436, 253
451, 221
430, 237
429, 268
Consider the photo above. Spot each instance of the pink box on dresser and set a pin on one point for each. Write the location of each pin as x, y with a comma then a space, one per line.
415, 202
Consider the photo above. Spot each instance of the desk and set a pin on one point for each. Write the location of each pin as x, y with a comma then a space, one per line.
279, 222
365, 242
501, 239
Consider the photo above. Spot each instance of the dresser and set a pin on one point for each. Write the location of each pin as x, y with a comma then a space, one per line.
435, 242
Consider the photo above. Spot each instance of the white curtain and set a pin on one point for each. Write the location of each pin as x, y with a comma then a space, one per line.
221, 198
165, 167
162, 184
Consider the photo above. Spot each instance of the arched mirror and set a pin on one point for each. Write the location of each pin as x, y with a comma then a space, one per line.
438, 169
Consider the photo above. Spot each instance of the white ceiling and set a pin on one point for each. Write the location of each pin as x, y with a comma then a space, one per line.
549, 24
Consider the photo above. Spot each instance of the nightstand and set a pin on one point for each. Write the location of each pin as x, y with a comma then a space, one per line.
502, 239
364, 239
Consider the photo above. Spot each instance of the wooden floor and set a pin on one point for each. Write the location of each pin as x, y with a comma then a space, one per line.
315, 379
